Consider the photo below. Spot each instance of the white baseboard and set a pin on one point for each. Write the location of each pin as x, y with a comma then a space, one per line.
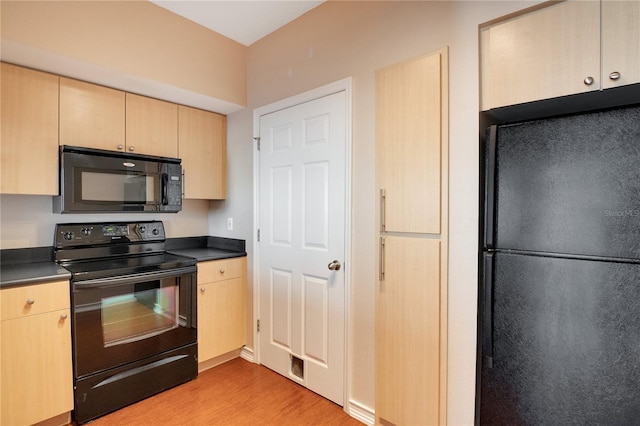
247, 354
361, 412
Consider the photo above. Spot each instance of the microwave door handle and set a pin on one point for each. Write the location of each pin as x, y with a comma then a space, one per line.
165, 184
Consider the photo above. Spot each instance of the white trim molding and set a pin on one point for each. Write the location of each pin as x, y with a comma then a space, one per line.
247, 354
361, 412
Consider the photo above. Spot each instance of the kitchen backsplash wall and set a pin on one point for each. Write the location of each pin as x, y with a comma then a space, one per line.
28, 220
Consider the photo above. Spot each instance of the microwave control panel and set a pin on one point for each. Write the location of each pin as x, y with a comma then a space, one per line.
172, 199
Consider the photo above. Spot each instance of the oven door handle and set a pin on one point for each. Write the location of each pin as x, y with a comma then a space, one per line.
133, 278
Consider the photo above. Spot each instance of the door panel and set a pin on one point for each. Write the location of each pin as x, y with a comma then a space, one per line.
302, 229
315, 320
280, 308
565, 343
570, 185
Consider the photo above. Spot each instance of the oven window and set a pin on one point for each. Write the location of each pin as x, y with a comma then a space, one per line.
139, 315
118, 187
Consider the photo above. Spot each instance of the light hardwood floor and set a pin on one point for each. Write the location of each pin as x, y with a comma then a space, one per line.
235, 393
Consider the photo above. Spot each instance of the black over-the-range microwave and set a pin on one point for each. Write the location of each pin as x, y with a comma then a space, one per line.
99, 181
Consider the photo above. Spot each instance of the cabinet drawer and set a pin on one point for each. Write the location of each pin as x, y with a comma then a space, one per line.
34, 299
218, 270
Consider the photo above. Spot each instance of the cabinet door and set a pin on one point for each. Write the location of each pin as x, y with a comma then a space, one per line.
151, 126
543, 54
408, 333
221, 318
620, 43
206, 321
229, 316
91, 116
29, 132
408, 140
221, 307
36, 376
202, 146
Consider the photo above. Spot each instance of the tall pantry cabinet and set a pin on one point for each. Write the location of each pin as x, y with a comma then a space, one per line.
411, 295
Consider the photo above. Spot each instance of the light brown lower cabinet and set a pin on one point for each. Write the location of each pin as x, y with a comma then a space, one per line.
408, 333
221, 307
36, 366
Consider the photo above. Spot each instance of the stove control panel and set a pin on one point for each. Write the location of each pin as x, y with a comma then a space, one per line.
87, 234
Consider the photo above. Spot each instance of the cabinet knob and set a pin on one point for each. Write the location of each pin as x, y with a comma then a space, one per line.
614, 75
120, 147
63, 316
202, 289
30, 301
132, 148
222, 271
589, 81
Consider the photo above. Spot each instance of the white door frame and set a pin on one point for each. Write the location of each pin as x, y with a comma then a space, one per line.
343, 85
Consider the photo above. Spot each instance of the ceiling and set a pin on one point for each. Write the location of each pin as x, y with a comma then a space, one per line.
245, 21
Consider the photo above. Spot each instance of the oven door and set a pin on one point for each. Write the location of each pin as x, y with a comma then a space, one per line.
120, 320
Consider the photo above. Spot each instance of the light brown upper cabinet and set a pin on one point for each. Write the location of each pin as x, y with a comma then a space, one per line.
409, 145
91, 116
620, 43
556, 51
29, 133
151, 126
202, 143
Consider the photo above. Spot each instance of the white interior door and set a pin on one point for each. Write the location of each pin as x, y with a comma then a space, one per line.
302, 191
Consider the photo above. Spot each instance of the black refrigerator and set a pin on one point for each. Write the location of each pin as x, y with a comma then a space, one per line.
559, 301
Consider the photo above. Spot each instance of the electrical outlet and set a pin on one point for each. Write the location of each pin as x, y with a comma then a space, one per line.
230, 223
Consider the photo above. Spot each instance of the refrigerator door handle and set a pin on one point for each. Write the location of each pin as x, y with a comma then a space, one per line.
490, 185
487, 320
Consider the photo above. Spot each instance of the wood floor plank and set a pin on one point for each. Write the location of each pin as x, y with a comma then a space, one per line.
235, 393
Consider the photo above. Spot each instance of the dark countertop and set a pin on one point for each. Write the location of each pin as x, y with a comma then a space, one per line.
36, 265
206, 248
29, 266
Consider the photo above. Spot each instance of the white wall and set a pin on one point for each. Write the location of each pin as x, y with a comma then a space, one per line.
342, 39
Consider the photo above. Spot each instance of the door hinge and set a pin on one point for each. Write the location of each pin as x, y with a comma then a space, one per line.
258, 325
257, 139
258, 235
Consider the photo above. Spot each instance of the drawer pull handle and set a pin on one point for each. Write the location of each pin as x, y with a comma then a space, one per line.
614, 75
589, 81
30, 301
63, 316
